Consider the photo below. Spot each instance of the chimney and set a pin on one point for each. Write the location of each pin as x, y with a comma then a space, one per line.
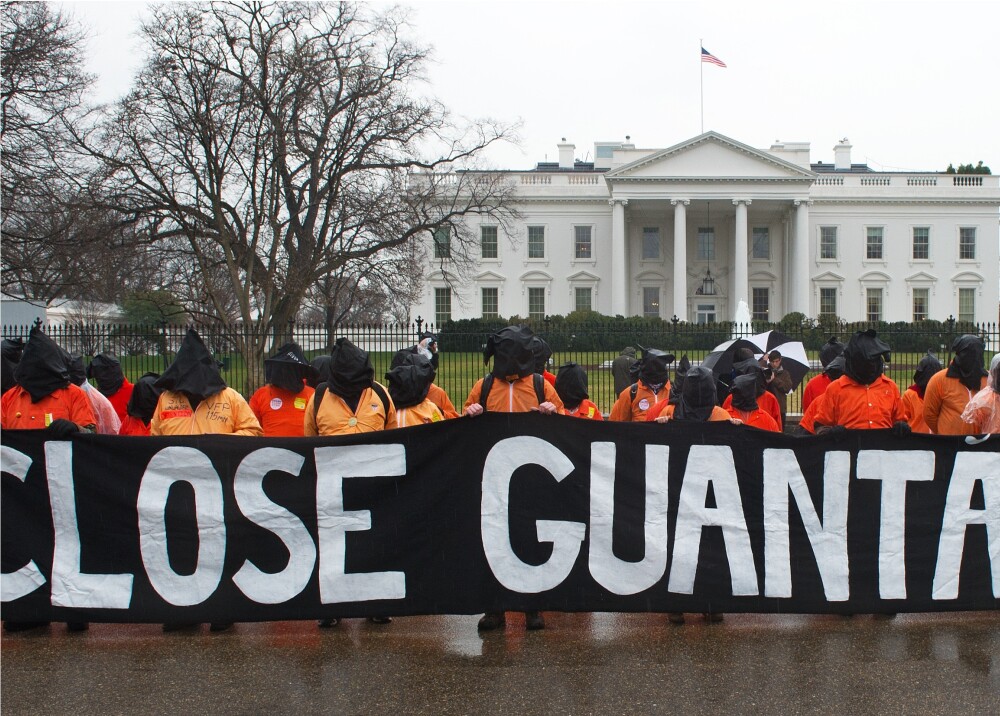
842, 155
566, 151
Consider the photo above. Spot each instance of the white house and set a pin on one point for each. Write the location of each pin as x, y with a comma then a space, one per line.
691, 229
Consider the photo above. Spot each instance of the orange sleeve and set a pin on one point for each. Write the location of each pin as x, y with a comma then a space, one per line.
244, 421
80, 411
621, 411
473, 395
655, 410
932, 401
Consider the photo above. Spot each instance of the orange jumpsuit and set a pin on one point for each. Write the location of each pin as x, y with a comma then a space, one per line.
766, 402
861, 407
225, 413
626, 409
119, 399
816, 386
913, 405
437, 395
754, 418
280, 412
808, 420
944, 400
516, 397
419, 414
17, 412
717, 416
132, 425
335, 417
586, 409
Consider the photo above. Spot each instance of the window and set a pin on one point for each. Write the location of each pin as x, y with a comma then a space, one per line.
650, 242
705, 313
828, 302
706, 243
442, 305
651, 301
967, 242
584, 298
536, 304
583, 246
874, 243
921, 243
761, 299
761, 242
920, 296
442, 243
536, 242
488, 242
967, 304
491, 302
828, 242
873, 303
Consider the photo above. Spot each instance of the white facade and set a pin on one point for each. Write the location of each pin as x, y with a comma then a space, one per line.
768, 227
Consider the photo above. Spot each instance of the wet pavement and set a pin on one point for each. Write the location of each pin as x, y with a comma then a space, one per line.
580, 664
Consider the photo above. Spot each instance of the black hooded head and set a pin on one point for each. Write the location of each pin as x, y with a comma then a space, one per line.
836, 368
865, 356
351, 372
830, 350
744, 392
107, 371
683, 366
408, 383
750, 366
194, 371
571, 385
542, 352
142, 404
77, 373
928, 366
654, 368
42, 369
967, 365
287, 368
321, 366
400, 357
12, 348
511, 351
697, 395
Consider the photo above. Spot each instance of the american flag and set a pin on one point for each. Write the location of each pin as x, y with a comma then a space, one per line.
707, 56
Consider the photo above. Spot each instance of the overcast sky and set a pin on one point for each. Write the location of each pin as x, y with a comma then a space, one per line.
912, 85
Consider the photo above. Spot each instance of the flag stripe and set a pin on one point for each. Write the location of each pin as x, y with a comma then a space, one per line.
707, 56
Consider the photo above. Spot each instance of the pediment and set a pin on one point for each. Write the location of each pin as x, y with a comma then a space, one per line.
439, 275
875, 276
763, 276
535, 276
490, 276
710, 156
583, 276
967, 276
828, 276
921, 277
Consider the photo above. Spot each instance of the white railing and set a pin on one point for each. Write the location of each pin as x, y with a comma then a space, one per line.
830, 181
921, 181
967, 180
875, 181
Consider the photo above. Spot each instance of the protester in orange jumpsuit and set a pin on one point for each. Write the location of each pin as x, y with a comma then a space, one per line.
352, 401
409, 384
141, 406
765, 398
108, 422
280, 404
983, 411
571, 385
513, 387
106, 370
807, 424
696, 403
435, 393
949, 391
651, 388
744, 408
543, 352
913, 397
817, 385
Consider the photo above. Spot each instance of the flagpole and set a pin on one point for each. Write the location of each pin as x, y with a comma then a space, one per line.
701, 83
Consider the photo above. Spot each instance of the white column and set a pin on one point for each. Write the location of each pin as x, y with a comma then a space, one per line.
800, 264
740, 270
680, 257
619, 273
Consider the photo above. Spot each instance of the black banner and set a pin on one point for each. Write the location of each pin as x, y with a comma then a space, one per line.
516, 512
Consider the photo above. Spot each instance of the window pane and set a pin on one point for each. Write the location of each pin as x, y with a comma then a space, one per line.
920, 304
921, 242
536, 304
874, 303
967, 242
706, 243
967, 304
584, 299
828, 301
650, 242
874, 245
828, 242
442, 244
536, 242
488, 240
582, 243
442, 305
651, 301
761, 304
761, 242
704, 313
491, 302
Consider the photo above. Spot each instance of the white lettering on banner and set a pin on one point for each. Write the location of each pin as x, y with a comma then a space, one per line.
828, 539
502, 461
894, 468
612, 573
959, 514
70, 586
182, 464
333, 466
14, 585
248, 484
711, 464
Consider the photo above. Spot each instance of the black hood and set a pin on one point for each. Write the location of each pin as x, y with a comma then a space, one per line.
745, 392
683, 366
107, 371
571, 385
321, 366
407, 356
928, 366
194, 370
142, 404
830, 350
287, 368
750, 366
864, 357
42, 369
12, 348
350, 371
967, 365
836, 368
697, 396
77, 373
408, 383
542, 352
654, 368
511, 350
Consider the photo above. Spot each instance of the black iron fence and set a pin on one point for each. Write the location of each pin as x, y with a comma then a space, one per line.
594, 345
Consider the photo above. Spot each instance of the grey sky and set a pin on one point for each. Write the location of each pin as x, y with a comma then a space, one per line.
911, 84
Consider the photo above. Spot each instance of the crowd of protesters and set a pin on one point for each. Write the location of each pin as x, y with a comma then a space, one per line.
44, 387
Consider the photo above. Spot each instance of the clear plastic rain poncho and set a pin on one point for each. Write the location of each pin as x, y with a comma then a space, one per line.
983, 410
